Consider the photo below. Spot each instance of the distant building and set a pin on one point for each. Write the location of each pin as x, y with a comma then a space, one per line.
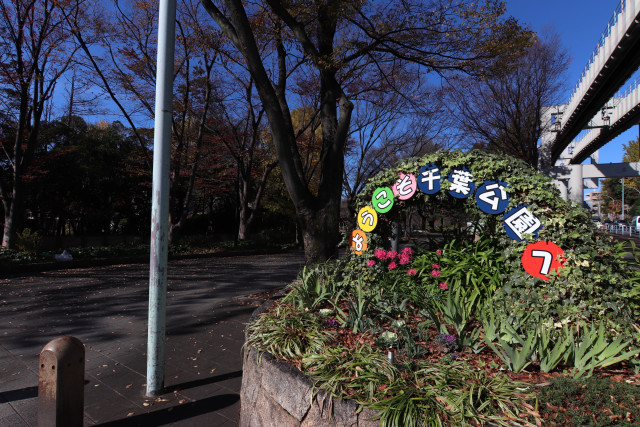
597, 206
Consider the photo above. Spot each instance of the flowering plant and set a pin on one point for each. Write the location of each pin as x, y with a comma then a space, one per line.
392, 260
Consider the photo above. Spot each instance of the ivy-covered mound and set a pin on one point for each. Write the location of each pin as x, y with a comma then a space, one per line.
468, 328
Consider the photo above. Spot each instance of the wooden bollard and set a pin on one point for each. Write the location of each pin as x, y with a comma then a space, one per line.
61, 383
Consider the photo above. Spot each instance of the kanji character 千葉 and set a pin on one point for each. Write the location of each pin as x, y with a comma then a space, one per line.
462, 184
520, 221
429, 179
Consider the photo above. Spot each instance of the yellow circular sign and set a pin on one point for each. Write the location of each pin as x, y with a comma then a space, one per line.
367, 219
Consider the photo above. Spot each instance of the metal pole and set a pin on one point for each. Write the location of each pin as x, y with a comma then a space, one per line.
160, 199
622, 208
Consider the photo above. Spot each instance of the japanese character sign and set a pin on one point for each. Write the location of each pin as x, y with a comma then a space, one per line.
539, 258
492, 197
520, 221
382, 199
462, 185
429, 179
358, 241
367, 219
405, 186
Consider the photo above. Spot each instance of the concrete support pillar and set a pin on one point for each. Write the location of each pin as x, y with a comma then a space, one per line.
562, 186
576, 185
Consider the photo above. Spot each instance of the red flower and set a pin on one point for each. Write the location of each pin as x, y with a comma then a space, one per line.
392, 254
392, 265
380, 254
435, 273
404, 259
371, 263
412, 272
436, 266
407, 251
443, 286
439, 252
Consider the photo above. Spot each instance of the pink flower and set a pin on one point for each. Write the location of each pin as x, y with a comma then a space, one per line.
412, 272
435, 273
407, 251
371, 263
436, 266
443, 286
392, 265
404, 259
392, 254
439, 252
380, 254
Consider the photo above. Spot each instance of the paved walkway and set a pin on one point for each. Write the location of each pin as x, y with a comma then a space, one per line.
209, 301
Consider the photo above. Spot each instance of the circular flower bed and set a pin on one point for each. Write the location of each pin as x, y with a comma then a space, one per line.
456, 332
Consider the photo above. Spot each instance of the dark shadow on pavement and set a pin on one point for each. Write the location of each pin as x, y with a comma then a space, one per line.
204, 381
176, 413
23, 393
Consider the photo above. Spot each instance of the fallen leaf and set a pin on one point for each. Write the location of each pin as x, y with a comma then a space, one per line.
128, 386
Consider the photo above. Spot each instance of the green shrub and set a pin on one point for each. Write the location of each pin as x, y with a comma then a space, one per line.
590, 402
596, 282
28, 241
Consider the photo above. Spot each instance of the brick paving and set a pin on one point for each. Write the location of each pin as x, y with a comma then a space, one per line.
209, 300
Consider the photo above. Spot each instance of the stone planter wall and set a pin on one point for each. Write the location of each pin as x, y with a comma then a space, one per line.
274, 394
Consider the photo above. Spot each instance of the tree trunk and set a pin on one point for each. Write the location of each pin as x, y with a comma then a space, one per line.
320, 232
243, 223
12, 217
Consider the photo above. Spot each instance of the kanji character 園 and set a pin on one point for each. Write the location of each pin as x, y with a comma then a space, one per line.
520, 221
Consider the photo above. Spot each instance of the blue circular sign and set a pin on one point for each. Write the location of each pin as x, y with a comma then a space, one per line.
429, 179
520, 221
462, 185
492, 197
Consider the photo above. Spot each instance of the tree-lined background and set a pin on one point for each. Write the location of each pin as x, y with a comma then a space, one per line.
282, 108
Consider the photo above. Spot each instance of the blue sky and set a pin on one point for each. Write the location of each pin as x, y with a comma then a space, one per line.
580, 25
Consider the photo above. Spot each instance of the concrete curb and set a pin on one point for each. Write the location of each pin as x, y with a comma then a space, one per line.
276, 393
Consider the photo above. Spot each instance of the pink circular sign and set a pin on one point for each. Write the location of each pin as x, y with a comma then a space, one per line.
405, 186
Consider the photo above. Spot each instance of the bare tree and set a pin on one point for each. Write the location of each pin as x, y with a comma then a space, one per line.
36, 49
340, 41
502, 111
389, 129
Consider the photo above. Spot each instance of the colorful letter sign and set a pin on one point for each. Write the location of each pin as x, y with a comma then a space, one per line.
492, 197
358, 241
405, 187
429, 179
462, 185
382, 199
520, 221
367, 219
539, 258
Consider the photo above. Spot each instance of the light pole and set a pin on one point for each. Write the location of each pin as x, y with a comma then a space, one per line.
622, 207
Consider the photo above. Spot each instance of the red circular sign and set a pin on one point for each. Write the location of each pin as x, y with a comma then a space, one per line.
539, 258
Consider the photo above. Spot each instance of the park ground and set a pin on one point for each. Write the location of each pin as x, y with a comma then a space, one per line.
209, 301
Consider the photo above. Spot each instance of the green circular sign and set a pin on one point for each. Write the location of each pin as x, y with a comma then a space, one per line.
382, 199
